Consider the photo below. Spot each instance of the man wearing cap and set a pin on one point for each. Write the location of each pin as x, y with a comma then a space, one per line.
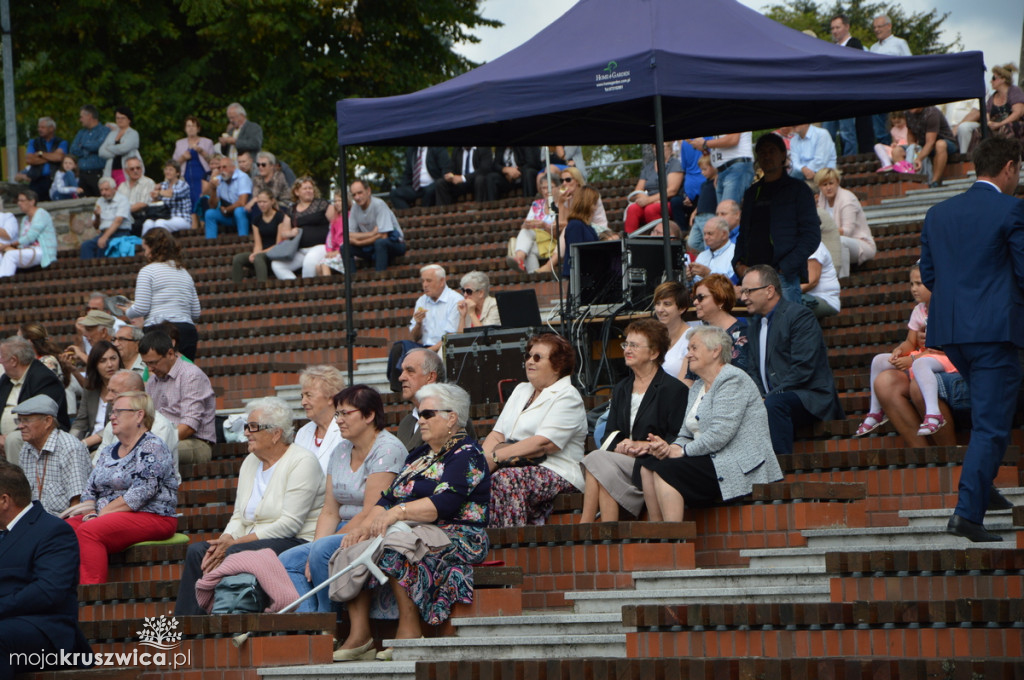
130, 381
183, 393
25, 377
95, 326
56, 463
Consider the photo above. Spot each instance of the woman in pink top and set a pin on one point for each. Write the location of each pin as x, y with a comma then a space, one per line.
843, 207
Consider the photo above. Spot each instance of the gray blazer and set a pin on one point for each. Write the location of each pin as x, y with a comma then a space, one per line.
88, 407
734, 432
129, 143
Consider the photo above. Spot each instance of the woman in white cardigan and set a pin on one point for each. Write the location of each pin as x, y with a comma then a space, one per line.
280, 494
845, 209
724, 446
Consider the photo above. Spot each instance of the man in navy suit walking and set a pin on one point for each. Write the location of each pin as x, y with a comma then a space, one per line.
972, 259
38, 579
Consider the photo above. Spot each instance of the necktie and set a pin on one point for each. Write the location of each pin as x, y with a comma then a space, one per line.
467, 164
3, 534
418, 170
762, 350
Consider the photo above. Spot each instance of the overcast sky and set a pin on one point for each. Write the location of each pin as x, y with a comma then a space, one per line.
991, 26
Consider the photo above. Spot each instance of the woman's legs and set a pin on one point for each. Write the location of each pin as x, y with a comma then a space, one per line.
20, 258
893, 390
649, 482
591, 491
319, 569
314, 256
359, 620
408, 614
285, 269
294, 561
112, 533
670, 500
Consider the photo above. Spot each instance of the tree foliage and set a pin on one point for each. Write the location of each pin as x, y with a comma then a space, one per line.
921, 30
286, 61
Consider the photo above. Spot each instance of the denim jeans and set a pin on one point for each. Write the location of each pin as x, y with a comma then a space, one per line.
380, 253
847, 131
318, 554
216, 219
734, 180
791, 289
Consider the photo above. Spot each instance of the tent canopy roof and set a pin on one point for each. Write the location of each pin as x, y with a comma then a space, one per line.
718, 66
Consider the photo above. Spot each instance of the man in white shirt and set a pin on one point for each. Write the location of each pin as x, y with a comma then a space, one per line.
136, 189
810, 150
717, 258
435, 314
112, 217
894, 47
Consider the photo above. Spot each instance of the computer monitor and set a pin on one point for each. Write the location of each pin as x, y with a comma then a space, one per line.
595, 274
645, 265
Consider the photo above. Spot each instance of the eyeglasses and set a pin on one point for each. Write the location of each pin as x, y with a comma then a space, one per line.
633, 345
118, 338
346, 414
256, 427
748, 291
467, 291
262, 165
133, 168
566, 180
427, 414
116, 413
537, 358
25, 420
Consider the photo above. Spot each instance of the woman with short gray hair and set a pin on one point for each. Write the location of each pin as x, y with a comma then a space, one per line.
280, 494
320, 435
477, 308
724, 446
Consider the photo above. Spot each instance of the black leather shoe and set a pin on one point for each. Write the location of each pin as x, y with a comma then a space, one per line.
997, 501
976, 533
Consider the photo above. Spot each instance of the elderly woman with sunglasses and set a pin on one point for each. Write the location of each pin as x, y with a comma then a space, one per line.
133, 487
280, 494
444, 482
648, 402
361, 467
478, 308
535, 448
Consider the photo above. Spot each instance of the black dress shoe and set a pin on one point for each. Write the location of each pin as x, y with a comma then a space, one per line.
997, 501
976, 533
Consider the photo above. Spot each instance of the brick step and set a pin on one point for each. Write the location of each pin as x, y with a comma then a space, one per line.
963, 628
742, 666
556, 558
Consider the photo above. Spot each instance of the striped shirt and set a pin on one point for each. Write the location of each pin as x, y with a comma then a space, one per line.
185, 396
164, 292
59, 472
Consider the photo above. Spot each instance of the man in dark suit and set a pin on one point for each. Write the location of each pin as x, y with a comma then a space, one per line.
470, 167
419, 367
515, 166
972, 259
38, 579
786, 357
26, 373
425, 169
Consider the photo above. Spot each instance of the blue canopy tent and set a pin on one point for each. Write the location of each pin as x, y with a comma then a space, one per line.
638, 71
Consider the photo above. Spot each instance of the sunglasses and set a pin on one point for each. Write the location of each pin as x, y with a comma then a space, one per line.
566, 180
537, 358
428, 413
701, 297
262, 165
467, 291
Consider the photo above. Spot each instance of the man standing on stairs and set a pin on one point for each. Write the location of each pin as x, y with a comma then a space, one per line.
976, 315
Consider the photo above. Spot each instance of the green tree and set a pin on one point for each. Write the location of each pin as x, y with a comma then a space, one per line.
921, 30
286, 61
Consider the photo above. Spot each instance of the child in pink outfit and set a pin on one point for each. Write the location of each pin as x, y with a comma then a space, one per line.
912, 355
894, 157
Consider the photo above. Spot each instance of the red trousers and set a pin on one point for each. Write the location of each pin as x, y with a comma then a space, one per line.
637, 217
113, 533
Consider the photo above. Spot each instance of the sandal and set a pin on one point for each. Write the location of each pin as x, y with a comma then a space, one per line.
932, 424
878, 419
515, 265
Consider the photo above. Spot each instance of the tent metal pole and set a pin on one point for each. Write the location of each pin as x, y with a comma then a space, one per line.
350, 332
659, 150
982, 121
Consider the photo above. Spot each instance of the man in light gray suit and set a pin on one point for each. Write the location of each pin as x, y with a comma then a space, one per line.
787, 359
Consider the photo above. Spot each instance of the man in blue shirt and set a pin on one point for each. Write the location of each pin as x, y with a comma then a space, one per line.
43, 155
228, 207
811, 149
86, 148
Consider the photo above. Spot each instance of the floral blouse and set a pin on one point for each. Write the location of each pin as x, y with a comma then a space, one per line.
457, 481
145, 478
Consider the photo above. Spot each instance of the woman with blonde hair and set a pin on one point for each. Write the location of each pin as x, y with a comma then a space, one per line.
844, 207
578, 229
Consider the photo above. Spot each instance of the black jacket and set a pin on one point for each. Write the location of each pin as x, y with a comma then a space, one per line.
39, 379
